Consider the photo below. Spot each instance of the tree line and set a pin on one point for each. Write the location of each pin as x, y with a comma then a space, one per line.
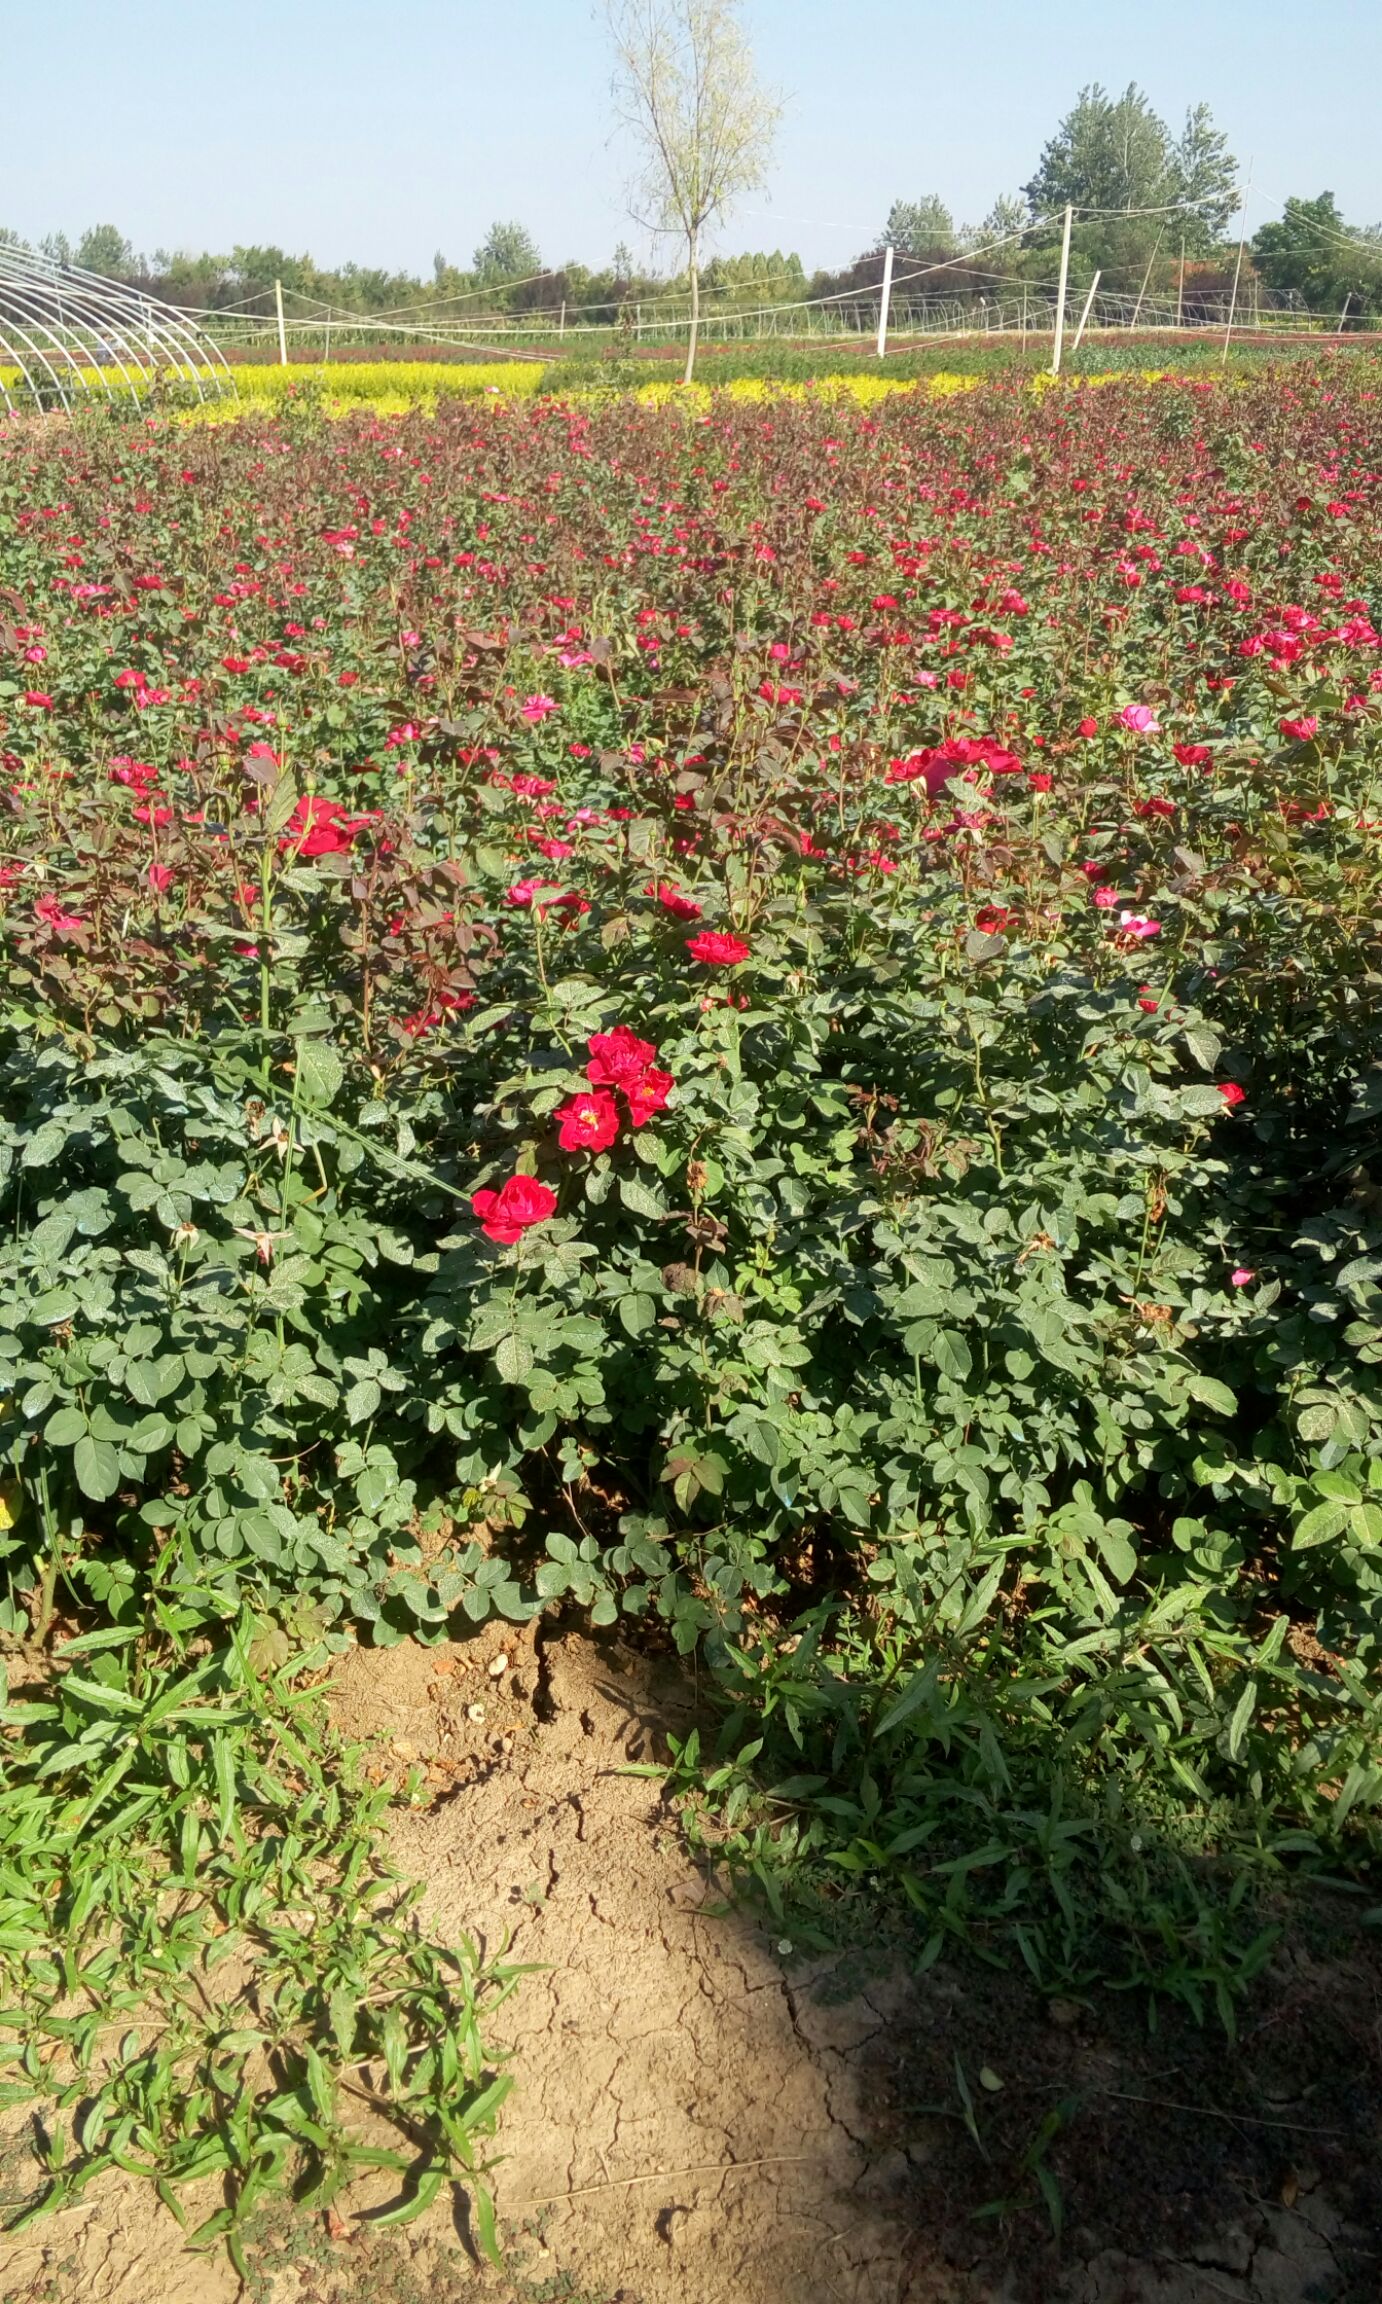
1156, 214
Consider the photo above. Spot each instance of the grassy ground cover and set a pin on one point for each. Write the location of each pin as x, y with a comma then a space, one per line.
757, 1018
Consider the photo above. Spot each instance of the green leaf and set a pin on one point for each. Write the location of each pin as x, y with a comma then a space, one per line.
1204, 1045
485, 2230
1116, 1550
429, 2185
639, 1199
1365, 1524
319, 1072
97, 1467
1318, 1526
1212, 1394
64, 1427
1242, 1714
342, 2006
952, 1355
637, 1313
44, 1145
54, 1305
514, 1358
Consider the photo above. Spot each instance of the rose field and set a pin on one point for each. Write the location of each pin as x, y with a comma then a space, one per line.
743, 1027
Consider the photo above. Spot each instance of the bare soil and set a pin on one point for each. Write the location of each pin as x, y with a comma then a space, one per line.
699, 2117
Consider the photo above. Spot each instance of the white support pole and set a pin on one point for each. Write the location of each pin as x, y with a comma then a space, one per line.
1238, 267
326, 352
1180, 286
885, 301
561, 324
1060, 293
282, 336
1088, 308
1146, 277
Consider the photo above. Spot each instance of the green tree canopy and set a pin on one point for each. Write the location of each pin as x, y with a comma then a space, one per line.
919, 227
1311, 258
1140, 188
507, 252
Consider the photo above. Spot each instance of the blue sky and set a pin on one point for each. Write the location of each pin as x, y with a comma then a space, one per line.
385, 129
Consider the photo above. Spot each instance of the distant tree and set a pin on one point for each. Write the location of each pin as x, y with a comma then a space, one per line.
1205, 175
1114, 158
922, 227
507, 252
1312, 259
1004, 220
1108, 153
104, 248
621, 263
686, 90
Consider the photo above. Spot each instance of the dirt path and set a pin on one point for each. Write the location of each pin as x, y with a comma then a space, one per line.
697, 2120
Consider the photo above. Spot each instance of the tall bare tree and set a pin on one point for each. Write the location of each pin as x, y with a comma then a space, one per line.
685, 88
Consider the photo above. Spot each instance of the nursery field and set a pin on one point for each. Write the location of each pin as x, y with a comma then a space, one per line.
744, 1027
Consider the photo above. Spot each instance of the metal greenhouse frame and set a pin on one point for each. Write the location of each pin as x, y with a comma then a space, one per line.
68, 337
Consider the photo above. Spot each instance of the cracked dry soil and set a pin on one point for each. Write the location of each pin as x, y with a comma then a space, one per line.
694, 2123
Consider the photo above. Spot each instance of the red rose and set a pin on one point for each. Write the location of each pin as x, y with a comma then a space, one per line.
935, 764
646, 1095
617, 1057
321, 827
671, 899
1231, 1092
1193, 755
507, 1214
589, 1122
717, 949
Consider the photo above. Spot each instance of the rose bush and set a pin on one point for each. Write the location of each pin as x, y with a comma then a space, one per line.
720, 1017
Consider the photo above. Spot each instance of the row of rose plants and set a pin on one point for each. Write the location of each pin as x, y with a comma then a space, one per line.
712, 1014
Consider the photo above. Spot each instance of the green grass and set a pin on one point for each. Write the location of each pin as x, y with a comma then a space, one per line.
206, 1970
